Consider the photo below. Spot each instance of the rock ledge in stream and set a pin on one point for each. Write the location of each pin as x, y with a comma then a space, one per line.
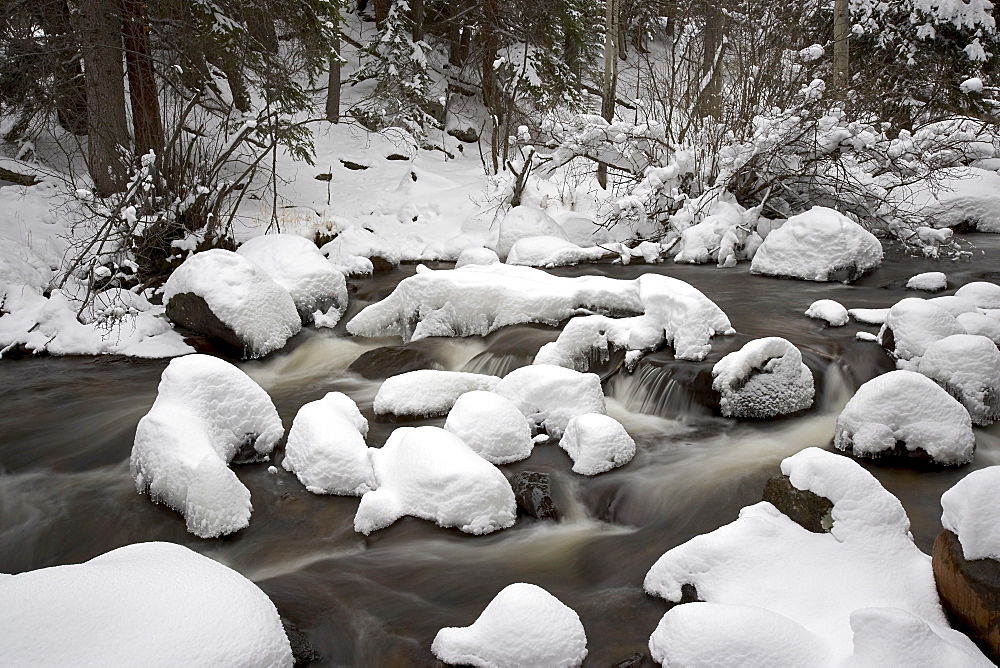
970, 592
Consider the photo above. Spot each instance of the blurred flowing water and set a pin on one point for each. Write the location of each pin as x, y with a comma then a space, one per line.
67, 424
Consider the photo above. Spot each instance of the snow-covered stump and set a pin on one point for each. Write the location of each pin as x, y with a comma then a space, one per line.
550, 396
206, 413
860, 594
524, 625
905, 416
832, 312
318, 290
429, 473
968, 368
140, 605
427, 392
326, 447
966, 557
818, 245
492, 426
223, 295
911, 325
763, 379
597, 443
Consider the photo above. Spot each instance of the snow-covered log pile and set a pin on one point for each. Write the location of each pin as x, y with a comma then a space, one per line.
763, 379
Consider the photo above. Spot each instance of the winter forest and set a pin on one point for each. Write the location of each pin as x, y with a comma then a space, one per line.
530, 333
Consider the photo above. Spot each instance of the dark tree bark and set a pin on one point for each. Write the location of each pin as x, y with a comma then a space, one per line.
333, 86
417, 15
710, 101
70, 89
454, 9
107, 126
146, 123
381, 12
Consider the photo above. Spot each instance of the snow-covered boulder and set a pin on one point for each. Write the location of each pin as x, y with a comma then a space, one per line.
140, 605
912, 325
427, 392
982, 294
295, 264
550, 396
524, 625
521, 222
903, 413
981, 324
971, 510
865, 570
476, 255
492, 426
955, 305
206, 413
968, 367
432, 474
356, 250
931, 281
596, 443
818, 245
832, 312
764, 378
552, 252
326, 447
869, 316
221, 294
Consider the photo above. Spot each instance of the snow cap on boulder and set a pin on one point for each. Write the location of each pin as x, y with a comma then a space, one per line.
764, 378
982, 294
550, 396
520, 222
968, 367
971, 511
596, 443
427, 392
492, 426
912, 325
832, 312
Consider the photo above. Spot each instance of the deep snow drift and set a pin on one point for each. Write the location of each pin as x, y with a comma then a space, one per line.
206, 411
144, 604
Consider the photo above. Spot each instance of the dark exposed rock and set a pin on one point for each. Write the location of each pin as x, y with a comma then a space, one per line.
636, 661
396, 156
380, 265
887, 340
356, 166
324, 177
533, 494
807, 509
303, 653
901, 456
689, 594
970, 592
192, 312
391, 361
467, 135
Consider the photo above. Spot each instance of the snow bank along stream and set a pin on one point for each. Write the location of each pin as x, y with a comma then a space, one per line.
67, 496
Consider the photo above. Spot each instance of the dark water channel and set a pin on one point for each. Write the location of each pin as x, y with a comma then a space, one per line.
66, 428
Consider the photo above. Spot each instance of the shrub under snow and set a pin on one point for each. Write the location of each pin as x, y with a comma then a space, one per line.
971, 509
206, 411
765, 378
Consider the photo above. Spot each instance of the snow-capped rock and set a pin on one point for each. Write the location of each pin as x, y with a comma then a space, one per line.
427, 392
140, 605
818, 245
970, 511
931, 281
550, 396
596, 443
492, 426
326, 447
981, 324
903, 412
968, 367
548, 251
982, 294
432, 474
521, 222
206, 412
912, 325
356, 250
869, 316
955, 305
764, 378
524, 625
224, 295
296, 264
832, 312
476, 255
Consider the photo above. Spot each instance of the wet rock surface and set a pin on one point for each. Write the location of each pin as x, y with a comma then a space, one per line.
533, 494
807, 509
970, 592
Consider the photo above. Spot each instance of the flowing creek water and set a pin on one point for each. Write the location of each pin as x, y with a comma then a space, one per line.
67, 424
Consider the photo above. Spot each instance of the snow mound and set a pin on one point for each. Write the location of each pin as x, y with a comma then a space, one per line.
677, 314
295, 264
968, 196
597, 443
522, 222
891, 637
968, 367
524, 625
818, 245
982, 294
550, 396
354, 248
477, 255
492, 426
427, 392
827, 309
980, 324
206, 411
931, 281
955, 305
702, 634
429, 473
142, 604
547, 251
912, 325
827, 583
869, 316
242, 296
764, 378
905, 406
326, 447
971, 509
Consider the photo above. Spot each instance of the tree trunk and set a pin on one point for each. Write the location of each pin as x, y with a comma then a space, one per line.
710, 100
417, 14
70, 89
610, 74
381, 12
107, 126
333, 85
841, 45
146, 124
